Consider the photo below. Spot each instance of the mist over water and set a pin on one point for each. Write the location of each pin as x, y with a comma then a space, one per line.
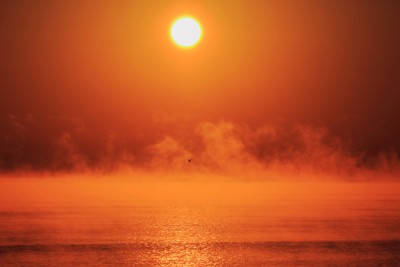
226, 148
108, 221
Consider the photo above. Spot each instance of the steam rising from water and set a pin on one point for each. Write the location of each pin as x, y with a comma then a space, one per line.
224, 148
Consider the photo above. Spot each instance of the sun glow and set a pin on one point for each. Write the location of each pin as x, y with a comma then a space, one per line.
186, 32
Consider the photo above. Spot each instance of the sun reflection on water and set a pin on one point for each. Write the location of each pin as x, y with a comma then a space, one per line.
188, 232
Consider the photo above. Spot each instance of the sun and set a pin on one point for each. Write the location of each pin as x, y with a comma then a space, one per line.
186, 32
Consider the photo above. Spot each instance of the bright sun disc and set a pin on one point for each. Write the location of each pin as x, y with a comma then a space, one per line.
186, 32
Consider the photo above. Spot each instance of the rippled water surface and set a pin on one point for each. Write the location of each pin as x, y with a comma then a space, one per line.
185, 224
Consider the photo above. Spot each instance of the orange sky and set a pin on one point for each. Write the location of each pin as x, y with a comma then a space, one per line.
106, 70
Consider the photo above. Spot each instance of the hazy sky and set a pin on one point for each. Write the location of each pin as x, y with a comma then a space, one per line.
100, 81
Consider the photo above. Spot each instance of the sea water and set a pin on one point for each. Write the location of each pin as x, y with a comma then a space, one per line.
198, 224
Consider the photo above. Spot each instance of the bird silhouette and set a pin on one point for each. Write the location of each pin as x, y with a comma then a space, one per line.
189, 160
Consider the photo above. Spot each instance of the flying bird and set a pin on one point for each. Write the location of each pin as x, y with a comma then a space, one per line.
189, 160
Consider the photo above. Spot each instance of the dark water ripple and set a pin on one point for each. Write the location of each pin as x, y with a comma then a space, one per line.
310, 253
